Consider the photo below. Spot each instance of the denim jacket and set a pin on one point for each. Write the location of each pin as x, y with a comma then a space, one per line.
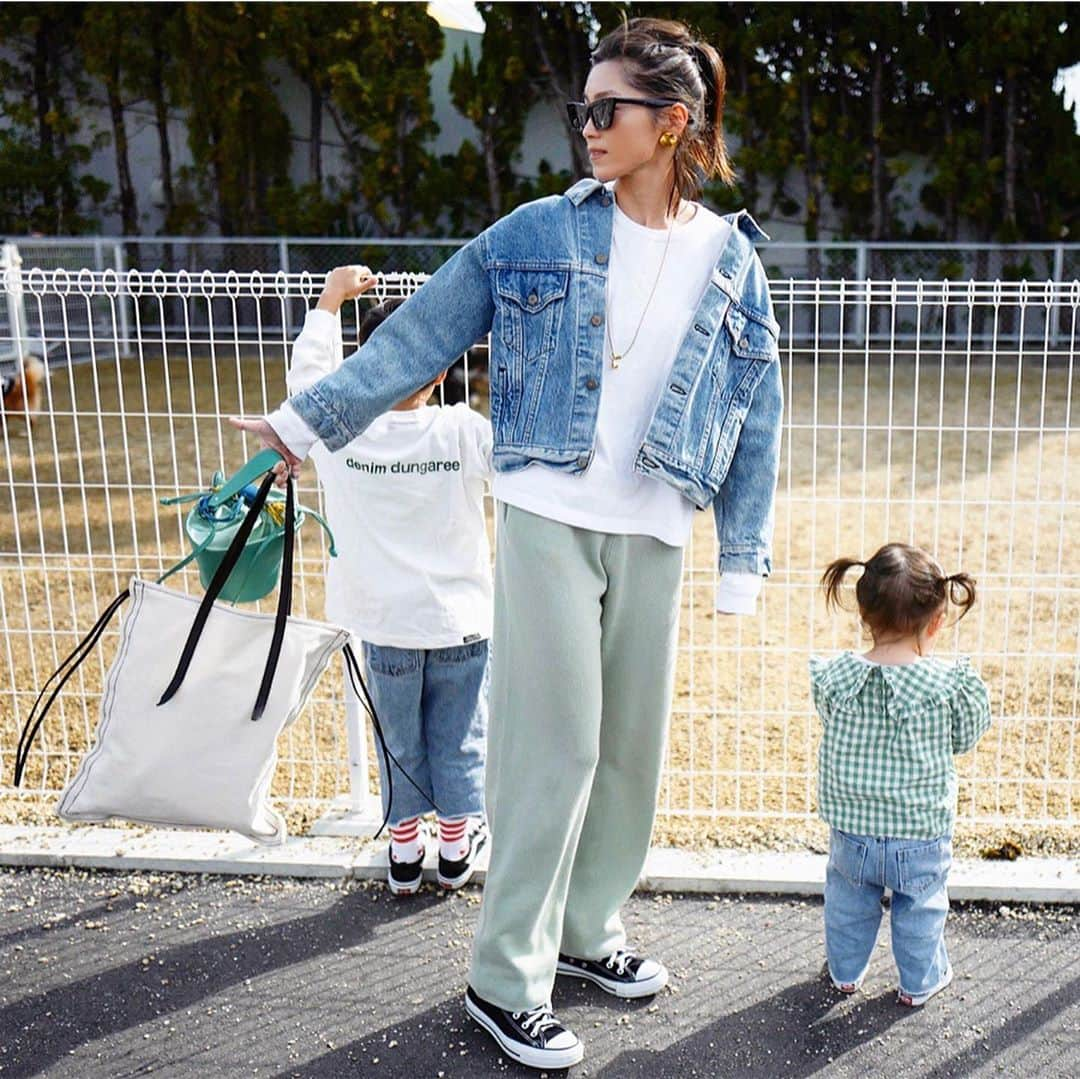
535, 281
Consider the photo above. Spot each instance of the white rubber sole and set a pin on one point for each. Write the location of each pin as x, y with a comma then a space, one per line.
452, 884
543, 1059
910, 1000
409, 887
649, 987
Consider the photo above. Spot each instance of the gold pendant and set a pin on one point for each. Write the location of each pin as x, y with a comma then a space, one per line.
615, 358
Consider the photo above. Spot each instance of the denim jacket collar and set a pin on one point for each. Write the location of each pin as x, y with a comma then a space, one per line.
741, 220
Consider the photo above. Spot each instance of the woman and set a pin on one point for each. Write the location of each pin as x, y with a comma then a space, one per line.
634, 378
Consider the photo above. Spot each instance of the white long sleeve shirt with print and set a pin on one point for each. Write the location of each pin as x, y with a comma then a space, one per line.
405, 502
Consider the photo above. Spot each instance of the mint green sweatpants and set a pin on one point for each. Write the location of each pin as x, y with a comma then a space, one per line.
583, 659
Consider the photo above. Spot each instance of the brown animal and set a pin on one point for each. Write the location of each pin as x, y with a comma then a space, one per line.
22, 388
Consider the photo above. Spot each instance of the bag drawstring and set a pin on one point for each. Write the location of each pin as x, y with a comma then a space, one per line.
77, 654
352, 666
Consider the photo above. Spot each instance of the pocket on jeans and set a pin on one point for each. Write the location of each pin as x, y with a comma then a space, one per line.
847, 856
459, 653
922, 867
385, 659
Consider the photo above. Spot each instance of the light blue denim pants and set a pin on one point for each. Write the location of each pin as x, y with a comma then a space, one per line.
432, 704
860, 868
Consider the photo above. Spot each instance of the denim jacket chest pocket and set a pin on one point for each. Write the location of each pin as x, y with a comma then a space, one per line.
740, 357
528, 306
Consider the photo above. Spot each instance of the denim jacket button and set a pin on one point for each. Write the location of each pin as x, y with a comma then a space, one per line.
533, 299
596, 320
744, 343
601, 258
591, 383
605, 201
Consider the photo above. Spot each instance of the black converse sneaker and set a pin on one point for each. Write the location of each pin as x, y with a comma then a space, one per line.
534, 1037
456, 872
621, 973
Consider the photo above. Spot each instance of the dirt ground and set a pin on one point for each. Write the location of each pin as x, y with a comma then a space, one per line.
968, 459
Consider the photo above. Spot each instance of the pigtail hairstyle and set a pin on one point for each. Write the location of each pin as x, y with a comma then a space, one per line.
900, 591
661, 58
833, 578
961, 592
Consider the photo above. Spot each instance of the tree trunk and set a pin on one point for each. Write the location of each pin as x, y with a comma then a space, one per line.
951, 215
1010, 155
878, 213
492, 167
42, 107
129, 211
987, 153
813, 180
405, 190
315, 173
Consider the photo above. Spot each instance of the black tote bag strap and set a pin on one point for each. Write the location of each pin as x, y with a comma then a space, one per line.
352, 666
217, 583
284, 604
66, 669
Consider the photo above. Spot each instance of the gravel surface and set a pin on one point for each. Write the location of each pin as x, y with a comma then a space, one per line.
116, 975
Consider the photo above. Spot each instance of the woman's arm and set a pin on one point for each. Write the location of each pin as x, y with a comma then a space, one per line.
743, 507
316, 352
419, 341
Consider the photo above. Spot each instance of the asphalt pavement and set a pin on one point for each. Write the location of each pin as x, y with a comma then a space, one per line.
133, 974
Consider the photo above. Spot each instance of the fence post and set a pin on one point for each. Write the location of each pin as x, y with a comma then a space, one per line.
859, 322
120, 265
1059, 280
11, 261
283, 258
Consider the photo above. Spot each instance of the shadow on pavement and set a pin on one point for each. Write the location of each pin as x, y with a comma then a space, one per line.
790, 1033
120, 998
1010, 1032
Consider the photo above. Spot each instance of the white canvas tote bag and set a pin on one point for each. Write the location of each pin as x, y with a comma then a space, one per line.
194, 702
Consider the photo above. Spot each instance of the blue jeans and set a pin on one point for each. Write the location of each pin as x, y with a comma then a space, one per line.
432, 704
860, 868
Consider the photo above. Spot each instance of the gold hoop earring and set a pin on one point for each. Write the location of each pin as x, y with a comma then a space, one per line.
669, 139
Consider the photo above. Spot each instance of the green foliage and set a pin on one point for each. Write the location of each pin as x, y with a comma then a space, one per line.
44, 185
827, 107
237, 132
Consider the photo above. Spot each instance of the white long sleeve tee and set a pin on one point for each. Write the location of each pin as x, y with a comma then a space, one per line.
405, 503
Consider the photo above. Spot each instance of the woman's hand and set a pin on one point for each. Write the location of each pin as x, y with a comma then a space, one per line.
269, 439
345, 283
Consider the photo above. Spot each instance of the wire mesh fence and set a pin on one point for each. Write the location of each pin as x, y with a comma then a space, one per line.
933, 412
959, 265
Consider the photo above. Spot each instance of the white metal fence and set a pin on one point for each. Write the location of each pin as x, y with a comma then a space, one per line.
945, 418
272, 256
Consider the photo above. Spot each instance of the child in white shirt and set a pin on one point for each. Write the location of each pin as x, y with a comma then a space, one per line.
412, 581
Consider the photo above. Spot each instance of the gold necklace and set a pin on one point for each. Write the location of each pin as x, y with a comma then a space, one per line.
616, 357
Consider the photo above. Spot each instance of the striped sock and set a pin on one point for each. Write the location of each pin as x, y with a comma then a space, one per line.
406, 843
452, 842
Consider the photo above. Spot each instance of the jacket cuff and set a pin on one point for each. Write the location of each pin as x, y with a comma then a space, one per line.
292, 430
737, 593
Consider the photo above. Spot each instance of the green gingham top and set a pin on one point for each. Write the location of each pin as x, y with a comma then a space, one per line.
885, 766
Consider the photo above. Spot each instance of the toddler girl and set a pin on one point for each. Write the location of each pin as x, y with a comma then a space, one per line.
893, 718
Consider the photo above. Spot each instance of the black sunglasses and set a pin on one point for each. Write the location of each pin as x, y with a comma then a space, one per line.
602, 110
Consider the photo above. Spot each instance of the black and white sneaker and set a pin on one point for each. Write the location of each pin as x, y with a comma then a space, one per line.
621, 973
534, 1038
405, 878
456, 872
